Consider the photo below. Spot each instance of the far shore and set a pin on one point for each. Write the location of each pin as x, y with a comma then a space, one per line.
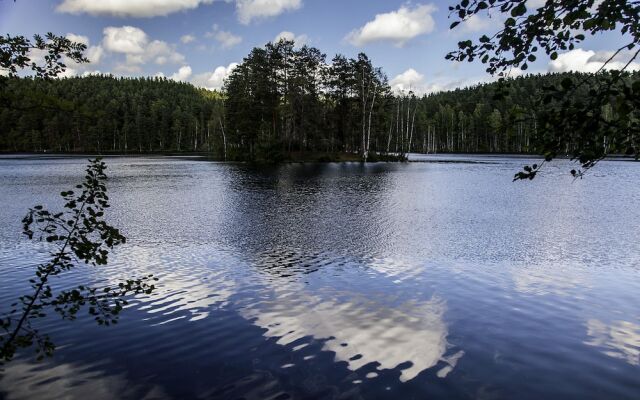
296, 157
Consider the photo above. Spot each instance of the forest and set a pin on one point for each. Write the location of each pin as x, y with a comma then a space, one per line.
281, 100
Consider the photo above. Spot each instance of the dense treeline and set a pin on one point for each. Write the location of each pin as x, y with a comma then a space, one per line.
280, 100
108, 114
506, 117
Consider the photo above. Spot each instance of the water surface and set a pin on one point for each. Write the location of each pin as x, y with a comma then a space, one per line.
418, 280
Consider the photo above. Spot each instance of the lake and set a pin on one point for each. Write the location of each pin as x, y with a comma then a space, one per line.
440, 279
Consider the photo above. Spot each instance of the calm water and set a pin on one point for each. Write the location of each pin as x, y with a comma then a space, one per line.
424, 280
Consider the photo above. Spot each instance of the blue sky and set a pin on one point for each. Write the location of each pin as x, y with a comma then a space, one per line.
199, 40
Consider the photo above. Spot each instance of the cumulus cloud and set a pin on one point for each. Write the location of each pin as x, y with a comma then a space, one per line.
300, 40
93, 54
183, 74
213, 80
579, 60
72, 68
408, 80
69, 72
125, 39
187, 38
128, 8
249, 10
412, 80
157, 52
138, 49
78, 38
227, 39
397, 27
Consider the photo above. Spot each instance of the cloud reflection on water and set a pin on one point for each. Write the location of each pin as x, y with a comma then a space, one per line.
620, 339
362, 329
24, 380
376, 322
548, 280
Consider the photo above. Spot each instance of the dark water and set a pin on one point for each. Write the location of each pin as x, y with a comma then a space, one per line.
399, 281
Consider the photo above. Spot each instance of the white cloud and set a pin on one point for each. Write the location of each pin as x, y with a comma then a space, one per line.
476, 23
408, 80
69, 72
412, 80
78, 38
213, 80
126, 39
135, 44
143, 58
131, 42
580, 60
94, 72
36, 55
249, 10
300, 40
158, 52
182, 75
396, 26
514, 72
187, 39
479, 23
93, 54
128, 8
227, 39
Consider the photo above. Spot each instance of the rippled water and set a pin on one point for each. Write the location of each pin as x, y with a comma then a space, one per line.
439, 279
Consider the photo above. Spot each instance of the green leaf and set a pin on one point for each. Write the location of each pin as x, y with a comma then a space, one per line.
519, 10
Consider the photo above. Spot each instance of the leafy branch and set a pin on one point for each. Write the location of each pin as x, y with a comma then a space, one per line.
605, 120
15, 54
79, 234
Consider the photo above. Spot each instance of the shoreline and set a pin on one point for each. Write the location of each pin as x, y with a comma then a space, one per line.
295, 158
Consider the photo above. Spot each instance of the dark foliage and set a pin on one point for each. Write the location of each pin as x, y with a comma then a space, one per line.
284, 101
107, 114
589, 117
